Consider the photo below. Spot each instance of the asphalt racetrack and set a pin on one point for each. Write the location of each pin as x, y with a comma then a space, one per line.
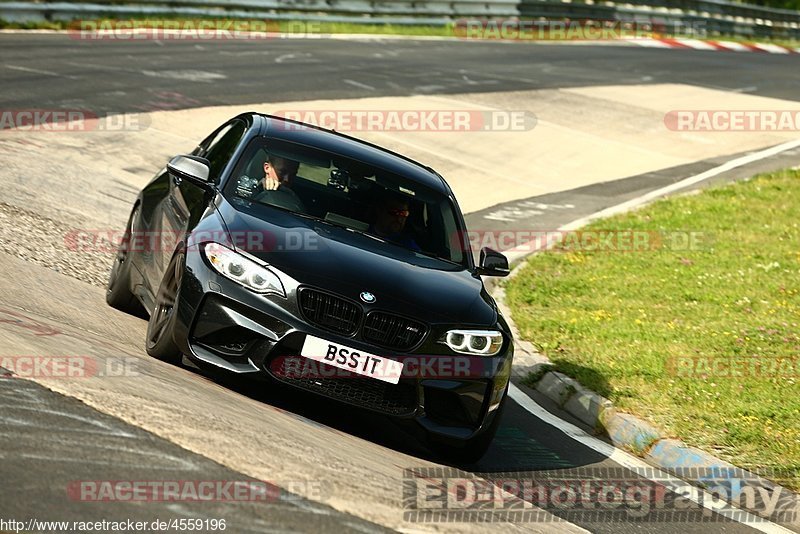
329, 468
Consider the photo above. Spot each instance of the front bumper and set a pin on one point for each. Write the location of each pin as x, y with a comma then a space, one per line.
223, 325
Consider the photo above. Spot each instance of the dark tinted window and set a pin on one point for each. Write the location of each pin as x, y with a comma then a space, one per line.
344, 192
220, 149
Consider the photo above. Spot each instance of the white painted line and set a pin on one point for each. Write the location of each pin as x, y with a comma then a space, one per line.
359, 85
301, 56
40, 71
639, 466
188, 75
469, 81
727, 166
97, 67
523, 250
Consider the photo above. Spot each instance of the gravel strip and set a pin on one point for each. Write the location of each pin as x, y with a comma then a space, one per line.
52, 244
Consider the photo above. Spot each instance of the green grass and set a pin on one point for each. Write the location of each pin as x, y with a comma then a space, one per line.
284, 26
387, 29
790, 43
42, 25
634, 326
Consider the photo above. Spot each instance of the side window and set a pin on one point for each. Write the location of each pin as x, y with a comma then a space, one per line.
220, 149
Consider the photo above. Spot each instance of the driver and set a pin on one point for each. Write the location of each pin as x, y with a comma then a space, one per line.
278, 175
279, 172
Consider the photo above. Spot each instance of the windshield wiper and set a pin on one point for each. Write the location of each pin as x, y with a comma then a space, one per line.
435, 256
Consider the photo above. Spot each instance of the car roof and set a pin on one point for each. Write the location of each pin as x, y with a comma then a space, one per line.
350, 147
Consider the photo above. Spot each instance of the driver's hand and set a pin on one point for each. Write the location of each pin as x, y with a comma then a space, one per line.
271, 184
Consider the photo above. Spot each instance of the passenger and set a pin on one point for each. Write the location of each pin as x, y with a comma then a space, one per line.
390, 220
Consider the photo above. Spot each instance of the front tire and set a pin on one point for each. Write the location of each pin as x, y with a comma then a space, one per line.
161, 326
118, 291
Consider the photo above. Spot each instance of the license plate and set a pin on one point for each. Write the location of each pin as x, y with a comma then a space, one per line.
355, 361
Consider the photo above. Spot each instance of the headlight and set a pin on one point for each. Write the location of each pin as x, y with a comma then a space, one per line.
480, 342
251, 275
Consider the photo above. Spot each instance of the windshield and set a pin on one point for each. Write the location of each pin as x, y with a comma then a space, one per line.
347, 193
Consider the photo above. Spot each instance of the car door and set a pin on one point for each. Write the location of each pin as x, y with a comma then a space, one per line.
186, 201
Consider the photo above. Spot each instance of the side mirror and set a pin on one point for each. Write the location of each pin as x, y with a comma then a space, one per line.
493, 263
192, 168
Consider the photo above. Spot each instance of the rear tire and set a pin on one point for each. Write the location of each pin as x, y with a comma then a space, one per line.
118, 291
161, 326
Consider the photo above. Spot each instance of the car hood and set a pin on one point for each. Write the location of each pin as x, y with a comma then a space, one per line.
347, 263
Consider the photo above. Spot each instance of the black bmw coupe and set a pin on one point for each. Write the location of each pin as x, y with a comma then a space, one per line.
326, 263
